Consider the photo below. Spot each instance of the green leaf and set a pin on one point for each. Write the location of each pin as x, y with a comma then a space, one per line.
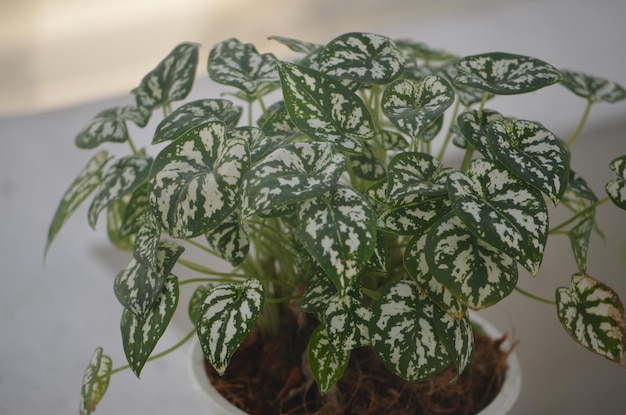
95, 381
147, 241
327, 363
296, 45
124, 176
276, 121
412, 106
474, 125
616, 187
137, 206
137, 287
593, 88
318, 293
171, 80
240, 65
230, 239
403, 334
347, 323
579, 237
366, 165
194, 113
108, 126
411, 173
593, 315
475, 272
141, 334
195, 301
338, 229
291, 174
258, 142
502, 210
87, 181
226, 317
413, 214
195, 181
533, 154
579, 186
457, 337
362, 57
423, 51
115, 217
467, 94
505, 73
324, 109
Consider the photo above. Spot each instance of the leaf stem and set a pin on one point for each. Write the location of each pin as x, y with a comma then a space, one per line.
581, 123
535, 297
132, 147
208, 271
448, 138
583, 212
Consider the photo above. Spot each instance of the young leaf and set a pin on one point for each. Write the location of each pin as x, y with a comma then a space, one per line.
502, 210
324, 109
87, 181
195, 180
474, 126
296, 45
412, 106
141, 334
147, 241
423, 51
115, 216
170, 80
319, 292
230, 239
95, 381
593, 88
579, 237
403, 334
195, 301
366, 165
124, 176
457, 337
413, 214
108, 126
226, 317
616, 187
362, 57
258, 142
505, 73
411, 173
327, 363
593, 315
347, 323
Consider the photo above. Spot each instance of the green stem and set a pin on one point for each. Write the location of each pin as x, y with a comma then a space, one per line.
446, 141
483, 102
202, 247
259, 98
208, 271
581, 123
469, 153
583, 212
535, 297
132, 146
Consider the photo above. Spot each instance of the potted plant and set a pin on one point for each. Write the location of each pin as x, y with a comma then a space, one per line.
340, 202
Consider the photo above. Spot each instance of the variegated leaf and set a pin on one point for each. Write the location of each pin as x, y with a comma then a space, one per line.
124, 176
338, 229
457, 337
276, 122
137, 287
108, 126
318, 293
378, 261
532, 153
115, 216
226, 317
147, 241
593, 88
141, 334
195, 181
501, 210
392, 140
474, 125
593, 315
367, 165
290, 175
195, 301
475, 272
230, 239
423, 51
616, 187
467, 95
362, 57
579, 237
296, 45
259, 144
579, 186
137, 206
240, 65
411, 173
324, 109
194, 113
347, 323
412, 106
403, 334
171, 80
413, 214
327, 363
87, 181
505, 73
95, 381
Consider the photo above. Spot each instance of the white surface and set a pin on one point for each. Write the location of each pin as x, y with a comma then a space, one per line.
52, 316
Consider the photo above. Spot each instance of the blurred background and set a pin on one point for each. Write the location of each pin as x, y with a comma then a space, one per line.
63, 61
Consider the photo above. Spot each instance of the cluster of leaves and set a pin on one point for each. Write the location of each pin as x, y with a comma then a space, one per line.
334, 198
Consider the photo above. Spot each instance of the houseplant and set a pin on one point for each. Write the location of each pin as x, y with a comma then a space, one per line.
339, 201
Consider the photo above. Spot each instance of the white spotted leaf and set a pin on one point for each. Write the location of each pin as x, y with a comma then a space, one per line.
505, 73
403, 334
141, 334
327, 363
412, 173
579, 236
347, 322
324, 109
296, 45
146, 242
533, 154
95, 381
195, 181
138, 205
362, 57
616, 187
474, 126
230, 239
107, 126
412, 106
457, 337
502, 210
225, 317
413, 214
593, 315
594, 88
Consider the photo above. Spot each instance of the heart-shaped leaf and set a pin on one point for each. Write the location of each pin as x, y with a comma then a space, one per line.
258, 142
125, 175
579, 237
136, 208
194, 113
593, 316
108, 126
411, 173
324, 109
579, 186
338, 229
362, 57
457, 337
171, 80
291, 174
616, 187
195, 181
403, 334
276, 122
502, 210
366, 165
95, 381
505, 73
412, 106
347, 323
195, 301
327, 363
240, 65
147, 241
141, 334
115, 216
593, 88
474, 125
532, 153
476, 273
230, 239
413, 214
296, 45
318, 293
467, 95
87, 181
226, 317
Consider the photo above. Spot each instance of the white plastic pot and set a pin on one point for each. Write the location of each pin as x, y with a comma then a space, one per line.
501, 405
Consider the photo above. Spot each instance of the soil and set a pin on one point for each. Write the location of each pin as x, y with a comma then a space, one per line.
266, 377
